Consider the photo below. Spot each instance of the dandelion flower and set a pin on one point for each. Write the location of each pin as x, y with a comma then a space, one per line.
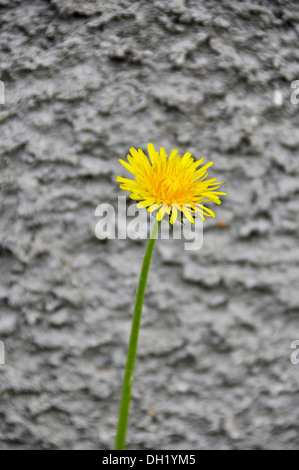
170, 184
167, 185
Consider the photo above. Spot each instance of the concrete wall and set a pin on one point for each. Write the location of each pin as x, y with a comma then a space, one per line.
84, 82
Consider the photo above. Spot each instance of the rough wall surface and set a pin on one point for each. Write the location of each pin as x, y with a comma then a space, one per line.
85, 81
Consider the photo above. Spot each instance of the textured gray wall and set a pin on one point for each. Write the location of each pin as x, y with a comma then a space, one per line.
84, 82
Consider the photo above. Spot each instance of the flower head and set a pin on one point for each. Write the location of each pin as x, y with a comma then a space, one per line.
169, 184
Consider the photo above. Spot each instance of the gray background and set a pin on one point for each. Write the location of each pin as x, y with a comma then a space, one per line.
85, 81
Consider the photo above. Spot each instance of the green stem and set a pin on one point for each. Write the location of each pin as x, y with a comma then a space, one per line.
128, 378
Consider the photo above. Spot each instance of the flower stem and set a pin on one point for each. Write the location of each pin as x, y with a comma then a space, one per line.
129, 371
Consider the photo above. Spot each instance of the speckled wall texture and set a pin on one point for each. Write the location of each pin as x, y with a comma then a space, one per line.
84, 82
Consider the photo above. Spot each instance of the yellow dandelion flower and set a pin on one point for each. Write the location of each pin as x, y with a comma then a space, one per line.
170, 184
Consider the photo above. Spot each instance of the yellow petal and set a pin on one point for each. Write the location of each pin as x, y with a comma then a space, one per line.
153, 207
152, 153
188, 215
174, 215
162, 212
